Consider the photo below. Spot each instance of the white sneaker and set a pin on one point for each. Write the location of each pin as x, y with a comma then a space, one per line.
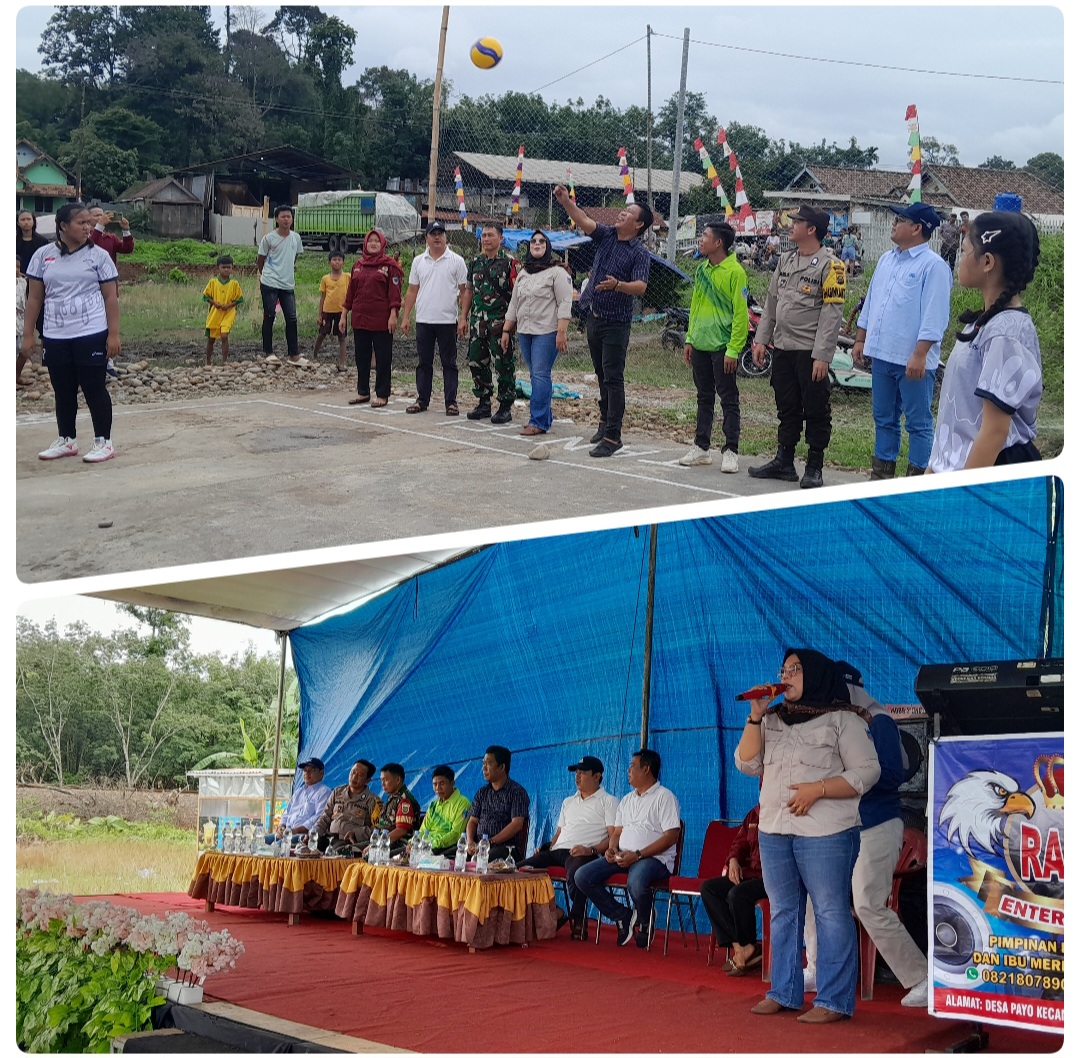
917, 996
272, 359
62, 446
696, 457
809, 981
729, 462
102, 449
300, 362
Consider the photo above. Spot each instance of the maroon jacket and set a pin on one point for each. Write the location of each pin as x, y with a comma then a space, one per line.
744, 847
374, 288
112, 244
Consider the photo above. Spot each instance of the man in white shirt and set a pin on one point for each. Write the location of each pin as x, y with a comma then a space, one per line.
438, 281
586, 821
642, 844
307, 802
276, 265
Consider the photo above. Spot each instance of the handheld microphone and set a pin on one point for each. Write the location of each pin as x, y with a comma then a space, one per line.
762, 690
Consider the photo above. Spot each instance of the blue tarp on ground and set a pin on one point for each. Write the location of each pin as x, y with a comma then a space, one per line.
538, 644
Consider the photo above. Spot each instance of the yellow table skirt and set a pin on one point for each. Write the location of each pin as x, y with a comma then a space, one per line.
287, 885
475, 910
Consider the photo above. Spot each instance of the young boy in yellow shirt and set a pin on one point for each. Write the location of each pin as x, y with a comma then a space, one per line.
222, 294
333, 293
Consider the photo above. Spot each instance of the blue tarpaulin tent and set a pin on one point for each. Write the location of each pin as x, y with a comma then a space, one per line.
539, 644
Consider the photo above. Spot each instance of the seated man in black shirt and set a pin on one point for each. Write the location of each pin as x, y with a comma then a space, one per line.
499, 809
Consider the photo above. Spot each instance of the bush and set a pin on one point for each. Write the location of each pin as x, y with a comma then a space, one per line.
178, 275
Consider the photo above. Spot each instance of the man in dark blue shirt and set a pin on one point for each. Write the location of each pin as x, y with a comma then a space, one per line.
500, 809
620, 273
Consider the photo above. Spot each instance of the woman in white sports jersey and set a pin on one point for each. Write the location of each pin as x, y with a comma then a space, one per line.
76, 282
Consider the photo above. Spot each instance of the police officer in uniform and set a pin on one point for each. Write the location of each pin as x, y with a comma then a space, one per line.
803, 313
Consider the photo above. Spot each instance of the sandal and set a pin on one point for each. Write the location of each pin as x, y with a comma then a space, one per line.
412, 409
359, 399
452, 409
379, 402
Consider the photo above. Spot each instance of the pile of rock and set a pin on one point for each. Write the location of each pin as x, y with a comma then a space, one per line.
147, 381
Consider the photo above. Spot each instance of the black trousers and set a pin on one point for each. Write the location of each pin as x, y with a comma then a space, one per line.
608, 341
270, 298
712, 380
74, 364
730, 908
427, 335
562, 858
799, 400
381, 343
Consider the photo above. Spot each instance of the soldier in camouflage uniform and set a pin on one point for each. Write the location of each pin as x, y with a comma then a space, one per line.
352, 810
803, 313
399, 814
487, 296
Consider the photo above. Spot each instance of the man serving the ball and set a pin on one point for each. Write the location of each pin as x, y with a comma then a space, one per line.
620, 273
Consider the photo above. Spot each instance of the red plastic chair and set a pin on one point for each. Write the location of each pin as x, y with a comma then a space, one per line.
713, 863
766, 941
912, 858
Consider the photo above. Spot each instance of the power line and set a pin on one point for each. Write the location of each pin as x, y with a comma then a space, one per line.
864, 65
587, 65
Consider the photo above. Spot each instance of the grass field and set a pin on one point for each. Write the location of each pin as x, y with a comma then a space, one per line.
161, 313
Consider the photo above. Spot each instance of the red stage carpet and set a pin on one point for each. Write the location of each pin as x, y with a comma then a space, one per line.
556, 996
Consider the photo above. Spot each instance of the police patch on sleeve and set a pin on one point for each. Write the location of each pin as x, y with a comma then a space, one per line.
833, 289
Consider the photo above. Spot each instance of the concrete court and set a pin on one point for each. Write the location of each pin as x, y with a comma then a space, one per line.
236, 477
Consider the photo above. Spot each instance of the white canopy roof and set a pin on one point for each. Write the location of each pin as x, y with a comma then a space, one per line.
545, 171
285, 599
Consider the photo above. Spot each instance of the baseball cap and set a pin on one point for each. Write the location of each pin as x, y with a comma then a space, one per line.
434, 226
818, 217
312, 762
588, 764
919, 212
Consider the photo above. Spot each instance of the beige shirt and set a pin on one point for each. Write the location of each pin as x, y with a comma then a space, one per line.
804, 308
837, 743
540, 300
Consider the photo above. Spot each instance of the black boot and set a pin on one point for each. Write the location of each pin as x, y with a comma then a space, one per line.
481, 411
781, 466
882, 469
812, 478
599, 435
913, 471
503, 415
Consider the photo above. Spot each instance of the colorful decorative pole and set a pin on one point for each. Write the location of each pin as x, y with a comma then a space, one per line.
570, 187
745, 221
711, 175
914, 154
460, 191
624, 172
517, 181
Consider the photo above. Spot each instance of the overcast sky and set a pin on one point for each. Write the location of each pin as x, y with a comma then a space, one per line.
988, 79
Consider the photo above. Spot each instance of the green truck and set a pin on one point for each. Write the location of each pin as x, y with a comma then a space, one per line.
339, 220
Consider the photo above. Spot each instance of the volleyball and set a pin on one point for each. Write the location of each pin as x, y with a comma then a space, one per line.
486, 53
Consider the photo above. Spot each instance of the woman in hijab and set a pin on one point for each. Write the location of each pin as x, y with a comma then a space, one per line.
374, 298
815, 757
539, 310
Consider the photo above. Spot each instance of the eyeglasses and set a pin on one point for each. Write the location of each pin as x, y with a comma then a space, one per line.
791, 670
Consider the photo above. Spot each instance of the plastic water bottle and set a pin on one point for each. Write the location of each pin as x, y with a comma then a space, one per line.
288, 842
511, 863
258, 839
384, 848
483, 851
461, 857
414, 852
228, 839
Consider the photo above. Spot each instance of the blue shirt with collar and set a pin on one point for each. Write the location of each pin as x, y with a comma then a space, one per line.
908, 302
306, 805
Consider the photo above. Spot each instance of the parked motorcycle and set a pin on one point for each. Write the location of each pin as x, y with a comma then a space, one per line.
677, 323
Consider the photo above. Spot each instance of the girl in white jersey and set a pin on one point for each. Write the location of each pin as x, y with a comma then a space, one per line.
993, 379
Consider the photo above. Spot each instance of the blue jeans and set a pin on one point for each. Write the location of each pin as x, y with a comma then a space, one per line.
822, 867
539, 353
591, 877
894, 393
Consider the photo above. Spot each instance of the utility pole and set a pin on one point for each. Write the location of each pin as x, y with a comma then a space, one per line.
436, 106
648, 108
676, 169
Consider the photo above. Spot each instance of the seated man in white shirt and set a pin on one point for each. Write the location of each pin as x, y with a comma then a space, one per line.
307, 803
586, 821
642, 844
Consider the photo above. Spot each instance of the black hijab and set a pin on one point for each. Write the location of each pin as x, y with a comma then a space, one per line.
539, 264
824, 689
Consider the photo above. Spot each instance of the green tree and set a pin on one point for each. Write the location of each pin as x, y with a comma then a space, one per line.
80, 45
1049, 167
127, 130
934, 152
995, 161
46, 110
293, 27
106, 170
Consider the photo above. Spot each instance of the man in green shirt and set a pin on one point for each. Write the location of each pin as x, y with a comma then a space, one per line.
719, 323
445, 818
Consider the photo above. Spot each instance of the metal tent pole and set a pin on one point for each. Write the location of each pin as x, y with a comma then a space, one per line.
646, 681
283, 638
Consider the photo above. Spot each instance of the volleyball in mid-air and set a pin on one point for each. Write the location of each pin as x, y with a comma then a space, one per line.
486, 53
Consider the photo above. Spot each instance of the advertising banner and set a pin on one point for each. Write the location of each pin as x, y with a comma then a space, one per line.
997, 877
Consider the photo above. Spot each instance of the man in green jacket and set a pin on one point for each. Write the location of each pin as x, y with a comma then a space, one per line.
445, 818
719, 322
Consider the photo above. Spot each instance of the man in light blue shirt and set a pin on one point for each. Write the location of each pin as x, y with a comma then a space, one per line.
900, 328
307, 803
